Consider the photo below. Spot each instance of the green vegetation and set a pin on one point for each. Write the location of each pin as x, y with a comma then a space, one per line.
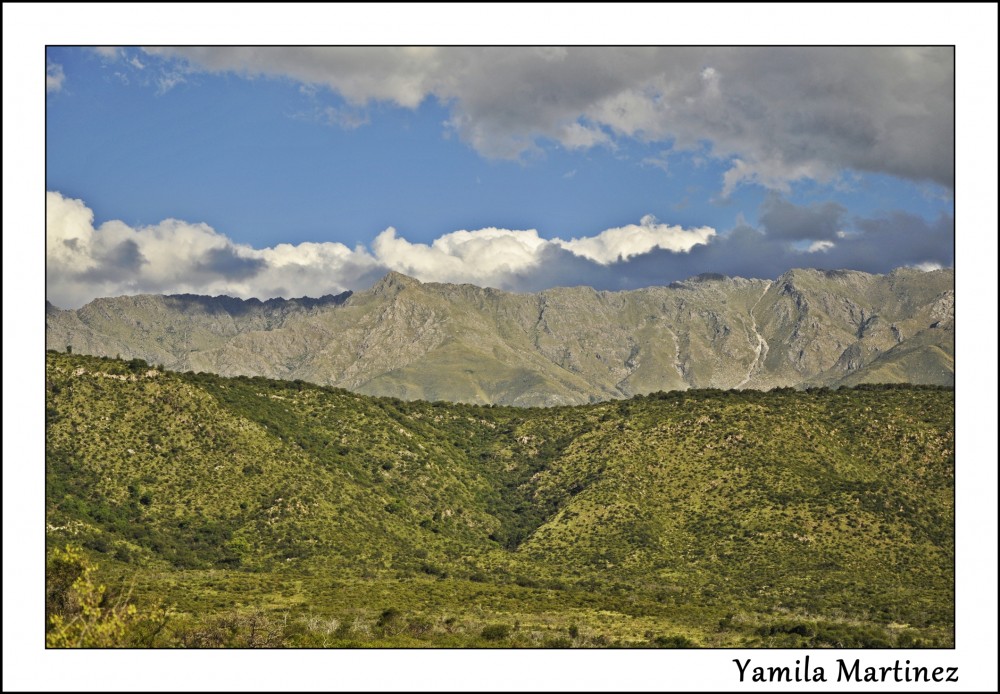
250, 512
83, 614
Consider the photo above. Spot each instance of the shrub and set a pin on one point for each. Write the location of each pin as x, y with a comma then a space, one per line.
82, 614
252, 629
496, 632
419, 626
390, 621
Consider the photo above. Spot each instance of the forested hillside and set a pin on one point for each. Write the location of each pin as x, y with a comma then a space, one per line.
247, 511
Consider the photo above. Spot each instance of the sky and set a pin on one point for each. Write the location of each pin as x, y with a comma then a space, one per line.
307, 171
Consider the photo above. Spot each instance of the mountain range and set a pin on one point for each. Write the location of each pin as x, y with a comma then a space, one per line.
564, 346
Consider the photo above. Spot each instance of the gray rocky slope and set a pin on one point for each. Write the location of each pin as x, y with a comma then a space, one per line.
562, 346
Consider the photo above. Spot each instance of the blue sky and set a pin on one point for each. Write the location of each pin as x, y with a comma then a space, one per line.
616, 168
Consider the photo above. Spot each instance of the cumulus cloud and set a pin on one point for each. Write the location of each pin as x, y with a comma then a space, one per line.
775, 115
84, 262
485, 256
54, 77
622, 243
174, 256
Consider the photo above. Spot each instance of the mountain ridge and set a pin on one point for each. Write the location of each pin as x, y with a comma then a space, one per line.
561, 346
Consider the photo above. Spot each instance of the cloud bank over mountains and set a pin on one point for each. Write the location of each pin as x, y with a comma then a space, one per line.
84, 262
775, 115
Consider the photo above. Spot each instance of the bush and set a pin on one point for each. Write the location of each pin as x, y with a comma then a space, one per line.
82, 614
419, 626
252, 629
496, 632
390, 621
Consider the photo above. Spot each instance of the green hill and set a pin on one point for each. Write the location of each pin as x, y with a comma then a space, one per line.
262, 512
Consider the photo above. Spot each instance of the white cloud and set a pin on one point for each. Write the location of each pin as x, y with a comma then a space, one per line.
660, 163
927, 267
109, 52
622, 243
69, 229
820, 246
777, 114
54, 77
174, 256
577, 136
84, 262
774, 173
168, 81
485, 256
346, 118
632, 112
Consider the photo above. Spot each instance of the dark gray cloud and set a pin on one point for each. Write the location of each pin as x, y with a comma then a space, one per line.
776, 114
905, 238
120, 262
225, 262
784, 220
877, 245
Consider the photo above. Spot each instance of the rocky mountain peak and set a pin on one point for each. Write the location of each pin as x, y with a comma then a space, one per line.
394, 282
